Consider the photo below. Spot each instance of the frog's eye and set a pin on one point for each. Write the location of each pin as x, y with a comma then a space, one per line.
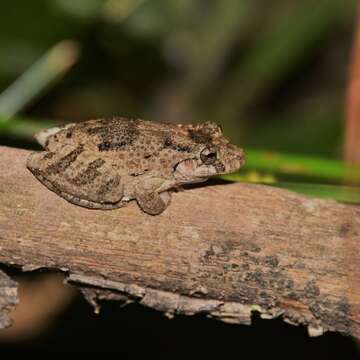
208, 156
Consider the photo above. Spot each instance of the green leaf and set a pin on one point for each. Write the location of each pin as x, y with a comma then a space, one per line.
23, 127
278, 52
280, 163
346, 194
52, 66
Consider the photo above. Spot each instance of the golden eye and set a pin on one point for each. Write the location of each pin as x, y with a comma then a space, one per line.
208, 156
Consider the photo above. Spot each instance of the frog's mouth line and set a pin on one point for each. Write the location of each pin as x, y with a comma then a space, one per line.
193, 170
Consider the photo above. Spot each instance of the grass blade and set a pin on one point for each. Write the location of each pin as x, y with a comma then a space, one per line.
280, 163
50, 67
347, 194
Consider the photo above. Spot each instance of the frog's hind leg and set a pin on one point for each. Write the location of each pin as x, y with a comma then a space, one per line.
75, 199
94, 185
106, 197
91, 204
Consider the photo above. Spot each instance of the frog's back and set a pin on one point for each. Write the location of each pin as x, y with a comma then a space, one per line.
79, 157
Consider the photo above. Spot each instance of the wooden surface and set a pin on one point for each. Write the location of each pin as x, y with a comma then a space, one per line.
8, 299
223, 250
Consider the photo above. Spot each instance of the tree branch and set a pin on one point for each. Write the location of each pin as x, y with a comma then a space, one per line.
224, 250
8, 299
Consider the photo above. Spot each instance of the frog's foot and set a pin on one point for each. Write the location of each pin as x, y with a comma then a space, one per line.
153, 203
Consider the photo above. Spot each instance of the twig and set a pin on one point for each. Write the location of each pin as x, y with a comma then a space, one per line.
8, 299
224, 250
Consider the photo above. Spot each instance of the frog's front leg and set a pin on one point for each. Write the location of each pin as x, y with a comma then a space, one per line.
152, 194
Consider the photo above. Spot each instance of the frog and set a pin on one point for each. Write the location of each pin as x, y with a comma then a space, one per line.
107, 163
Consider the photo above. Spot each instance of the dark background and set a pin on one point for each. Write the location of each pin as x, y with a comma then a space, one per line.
272, 73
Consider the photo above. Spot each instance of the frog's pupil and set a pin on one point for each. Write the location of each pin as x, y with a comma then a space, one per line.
209, 158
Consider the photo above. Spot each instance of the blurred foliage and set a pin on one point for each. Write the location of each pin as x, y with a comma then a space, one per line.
49, 68
311, 167
272, 73
345, 194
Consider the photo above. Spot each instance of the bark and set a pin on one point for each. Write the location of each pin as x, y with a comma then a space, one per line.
222, 250
8, 299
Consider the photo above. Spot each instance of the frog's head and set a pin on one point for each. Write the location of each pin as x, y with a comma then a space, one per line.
214, 154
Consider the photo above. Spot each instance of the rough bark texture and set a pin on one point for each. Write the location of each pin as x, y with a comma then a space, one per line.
8, 298
223, 250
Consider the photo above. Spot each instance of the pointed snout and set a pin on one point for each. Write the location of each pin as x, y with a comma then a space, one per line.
233, 158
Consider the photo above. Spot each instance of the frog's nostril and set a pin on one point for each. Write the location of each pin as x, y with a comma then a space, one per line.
220, 167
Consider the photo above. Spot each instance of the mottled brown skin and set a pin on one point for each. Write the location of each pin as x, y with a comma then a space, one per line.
105, 163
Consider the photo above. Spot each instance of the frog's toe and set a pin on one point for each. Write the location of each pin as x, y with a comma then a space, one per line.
153, 203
